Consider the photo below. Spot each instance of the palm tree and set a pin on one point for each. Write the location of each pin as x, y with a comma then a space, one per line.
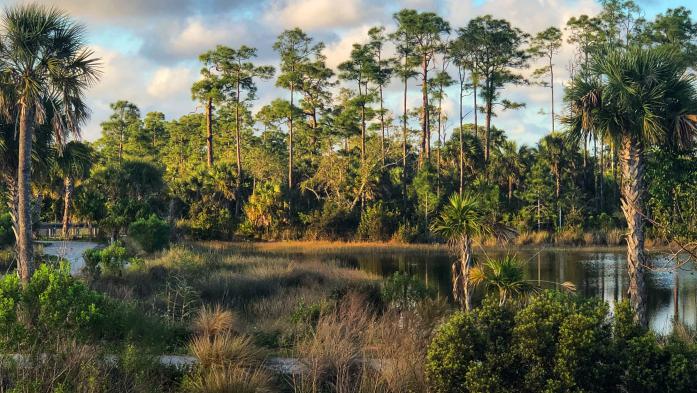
43, 59
637, 97
507, 276
72, 163
462, 219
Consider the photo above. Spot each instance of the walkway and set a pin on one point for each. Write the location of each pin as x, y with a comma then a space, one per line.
69, 250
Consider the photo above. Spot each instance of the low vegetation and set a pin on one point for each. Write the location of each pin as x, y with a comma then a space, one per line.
235, 314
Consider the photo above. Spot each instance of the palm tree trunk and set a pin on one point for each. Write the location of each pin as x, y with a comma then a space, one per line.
69, 188
25, 249
456, 271
209, 131
632, 161
466, 262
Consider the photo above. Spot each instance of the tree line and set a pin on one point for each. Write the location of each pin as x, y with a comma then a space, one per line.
329, 160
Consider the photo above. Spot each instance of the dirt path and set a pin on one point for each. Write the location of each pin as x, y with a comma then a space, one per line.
69, 250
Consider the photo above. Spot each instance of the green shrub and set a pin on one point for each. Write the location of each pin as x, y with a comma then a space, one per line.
375, 224
53, 303
111, 259
403, 291
7, 236
556, 343
152, 234
406, 233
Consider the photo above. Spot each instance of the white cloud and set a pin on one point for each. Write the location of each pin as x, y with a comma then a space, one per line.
339, 51
167, 81
317, 14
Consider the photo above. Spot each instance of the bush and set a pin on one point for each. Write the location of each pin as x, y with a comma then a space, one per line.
405, 233
555, 342
332, 222
375, 224
7, 236
404, 292
152, 234
52, 303
111, 259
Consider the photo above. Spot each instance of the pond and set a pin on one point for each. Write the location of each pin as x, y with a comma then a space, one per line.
671, 293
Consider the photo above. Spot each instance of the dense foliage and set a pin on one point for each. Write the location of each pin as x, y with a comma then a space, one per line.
554, 343
332, 162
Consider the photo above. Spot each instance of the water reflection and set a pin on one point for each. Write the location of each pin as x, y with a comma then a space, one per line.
603, 274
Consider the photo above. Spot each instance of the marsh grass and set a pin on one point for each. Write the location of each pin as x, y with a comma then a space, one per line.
358, 349
186, 283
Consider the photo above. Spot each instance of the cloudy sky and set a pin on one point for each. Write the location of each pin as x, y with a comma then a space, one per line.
149, 48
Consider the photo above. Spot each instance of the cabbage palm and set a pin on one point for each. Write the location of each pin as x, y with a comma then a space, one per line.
72, 163
637, 97
507, 276
462, 219
43, 61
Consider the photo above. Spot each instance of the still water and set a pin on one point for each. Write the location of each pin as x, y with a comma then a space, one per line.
671, 293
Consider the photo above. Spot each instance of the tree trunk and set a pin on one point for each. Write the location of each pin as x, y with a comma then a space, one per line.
551, 85
290, 140
475, 110
425, 128
382, 126
440, 146
121, 140
25, 249
510, 188
238, 141
362, 121
632, 161
69, 188
209, 131
487, 136
602, 175
466, 264
462, 154
404, 144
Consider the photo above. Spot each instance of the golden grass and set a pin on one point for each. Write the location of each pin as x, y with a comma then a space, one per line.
212, 321
232, 379
321, 247
225, 349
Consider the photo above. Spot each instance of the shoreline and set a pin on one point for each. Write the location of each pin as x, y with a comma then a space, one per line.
328, 247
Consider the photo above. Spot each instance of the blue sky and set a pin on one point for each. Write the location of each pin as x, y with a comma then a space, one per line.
149, 48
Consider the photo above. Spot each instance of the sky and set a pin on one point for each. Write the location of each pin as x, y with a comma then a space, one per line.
149, 48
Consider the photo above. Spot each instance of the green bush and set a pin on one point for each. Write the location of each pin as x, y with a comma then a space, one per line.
7, 237
53, 303
111, 259
403, 291
152, 234
555, 343
375, 224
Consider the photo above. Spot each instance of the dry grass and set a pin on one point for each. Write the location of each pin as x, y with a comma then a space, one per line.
225, 349
212, 321
232, 379
323, 247
355, 350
